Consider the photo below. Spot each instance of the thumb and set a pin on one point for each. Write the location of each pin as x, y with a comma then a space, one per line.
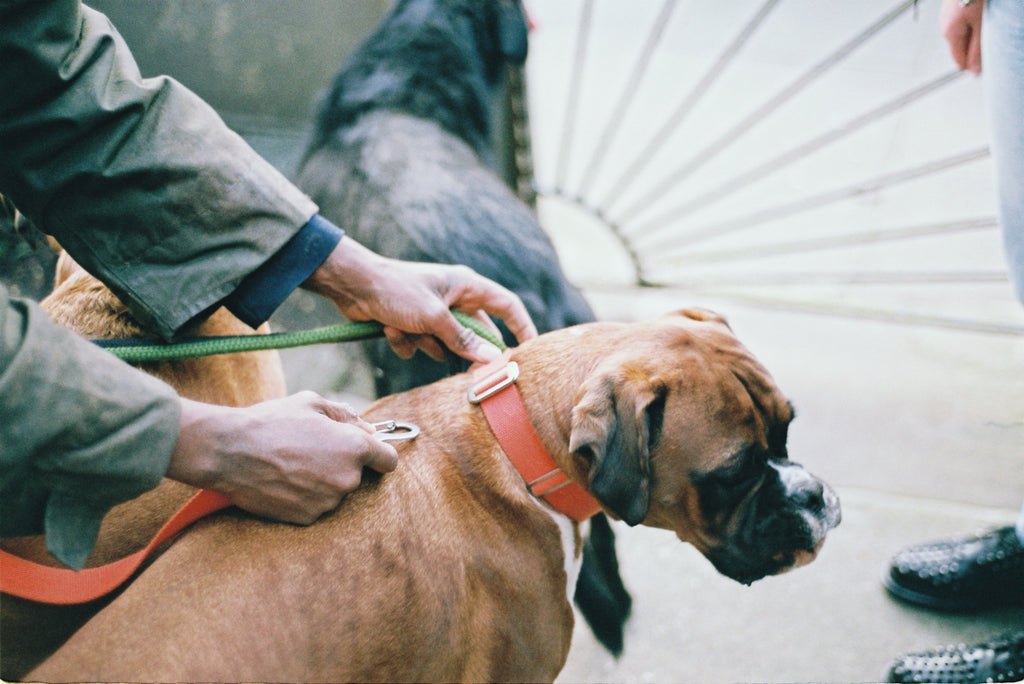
344, 413
464, 341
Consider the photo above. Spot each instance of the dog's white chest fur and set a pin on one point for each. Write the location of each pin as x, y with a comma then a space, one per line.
572, 547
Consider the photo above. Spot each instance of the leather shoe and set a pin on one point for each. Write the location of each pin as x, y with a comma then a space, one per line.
963, 574
999, 660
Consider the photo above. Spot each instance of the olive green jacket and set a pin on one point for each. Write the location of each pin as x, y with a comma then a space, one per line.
143, 184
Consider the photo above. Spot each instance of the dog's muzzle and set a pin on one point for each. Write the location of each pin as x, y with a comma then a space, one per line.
783, 526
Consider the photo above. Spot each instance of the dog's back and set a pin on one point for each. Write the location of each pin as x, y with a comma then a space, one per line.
391, 586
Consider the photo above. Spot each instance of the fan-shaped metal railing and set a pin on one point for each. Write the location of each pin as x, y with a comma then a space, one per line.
686, 158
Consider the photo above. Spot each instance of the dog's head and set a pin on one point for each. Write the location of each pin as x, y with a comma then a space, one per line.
440, 60
683, 429
494, 31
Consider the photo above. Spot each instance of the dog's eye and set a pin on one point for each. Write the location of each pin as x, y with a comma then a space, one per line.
655, 417
778, 435
723, 489
747, 475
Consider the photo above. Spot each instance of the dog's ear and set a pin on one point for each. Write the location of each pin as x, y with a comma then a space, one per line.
615, 425
703, 315
513, 30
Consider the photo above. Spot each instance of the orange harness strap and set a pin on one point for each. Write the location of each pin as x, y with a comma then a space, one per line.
41, 583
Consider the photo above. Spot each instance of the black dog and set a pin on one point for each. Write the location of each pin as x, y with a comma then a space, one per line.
401, 159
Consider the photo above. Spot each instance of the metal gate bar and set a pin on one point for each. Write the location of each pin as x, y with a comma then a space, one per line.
759, 114
762, 251
679, 115
801, 151
785, 209
660, 242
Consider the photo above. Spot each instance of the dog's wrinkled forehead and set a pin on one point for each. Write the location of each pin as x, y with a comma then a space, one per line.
746, 416
737, 372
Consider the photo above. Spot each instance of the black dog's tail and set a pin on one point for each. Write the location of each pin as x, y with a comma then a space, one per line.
600, 595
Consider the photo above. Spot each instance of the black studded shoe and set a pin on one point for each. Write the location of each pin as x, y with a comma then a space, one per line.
999, 660
965, 574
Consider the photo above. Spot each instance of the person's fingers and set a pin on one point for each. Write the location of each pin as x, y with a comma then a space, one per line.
414, 299
485, 321
401, 343
973, 63
961, 27
405, 344
955, 30
958, 40
471, 293
482, 296
429, 345
462, 340
377, 455
337, 411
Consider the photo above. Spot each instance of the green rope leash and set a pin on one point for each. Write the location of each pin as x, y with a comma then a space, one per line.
132, 352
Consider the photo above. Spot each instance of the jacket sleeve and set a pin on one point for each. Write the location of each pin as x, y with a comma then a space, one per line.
138, 178
81, 431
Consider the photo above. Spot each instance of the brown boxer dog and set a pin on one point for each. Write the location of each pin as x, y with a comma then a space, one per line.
448, 569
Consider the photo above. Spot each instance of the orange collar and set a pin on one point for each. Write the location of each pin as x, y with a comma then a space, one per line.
494, 389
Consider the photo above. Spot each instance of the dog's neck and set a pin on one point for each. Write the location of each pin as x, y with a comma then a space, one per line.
569, 505
550, 404
495, 390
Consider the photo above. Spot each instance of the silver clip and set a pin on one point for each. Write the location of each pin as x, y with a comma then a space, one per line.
395, 431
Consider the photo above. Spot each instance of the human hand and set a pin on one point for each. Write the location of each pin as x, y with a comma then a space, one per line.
962, 28
413, 301
290, 459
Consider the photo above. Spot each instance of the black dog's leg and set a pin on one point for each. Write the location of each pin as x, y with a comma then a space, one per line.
600, 595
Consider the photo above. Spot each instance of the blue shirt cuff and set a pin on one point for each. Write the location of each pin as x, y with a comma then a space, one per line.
266, 288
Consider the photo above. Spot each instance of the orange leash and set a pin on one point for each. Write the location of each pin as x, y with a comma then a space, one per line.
62, 586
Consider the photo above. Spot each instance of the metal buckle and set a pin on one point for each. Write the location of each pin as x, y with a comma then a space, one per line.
552, 489
500, 380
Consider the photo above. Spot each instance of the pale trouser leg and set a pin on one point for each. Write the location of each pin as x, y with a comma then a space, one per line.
1020, 526
1002, 36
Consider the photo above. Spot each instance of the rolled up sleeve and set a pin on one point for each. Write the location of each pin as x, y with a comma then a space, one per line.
138, 178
